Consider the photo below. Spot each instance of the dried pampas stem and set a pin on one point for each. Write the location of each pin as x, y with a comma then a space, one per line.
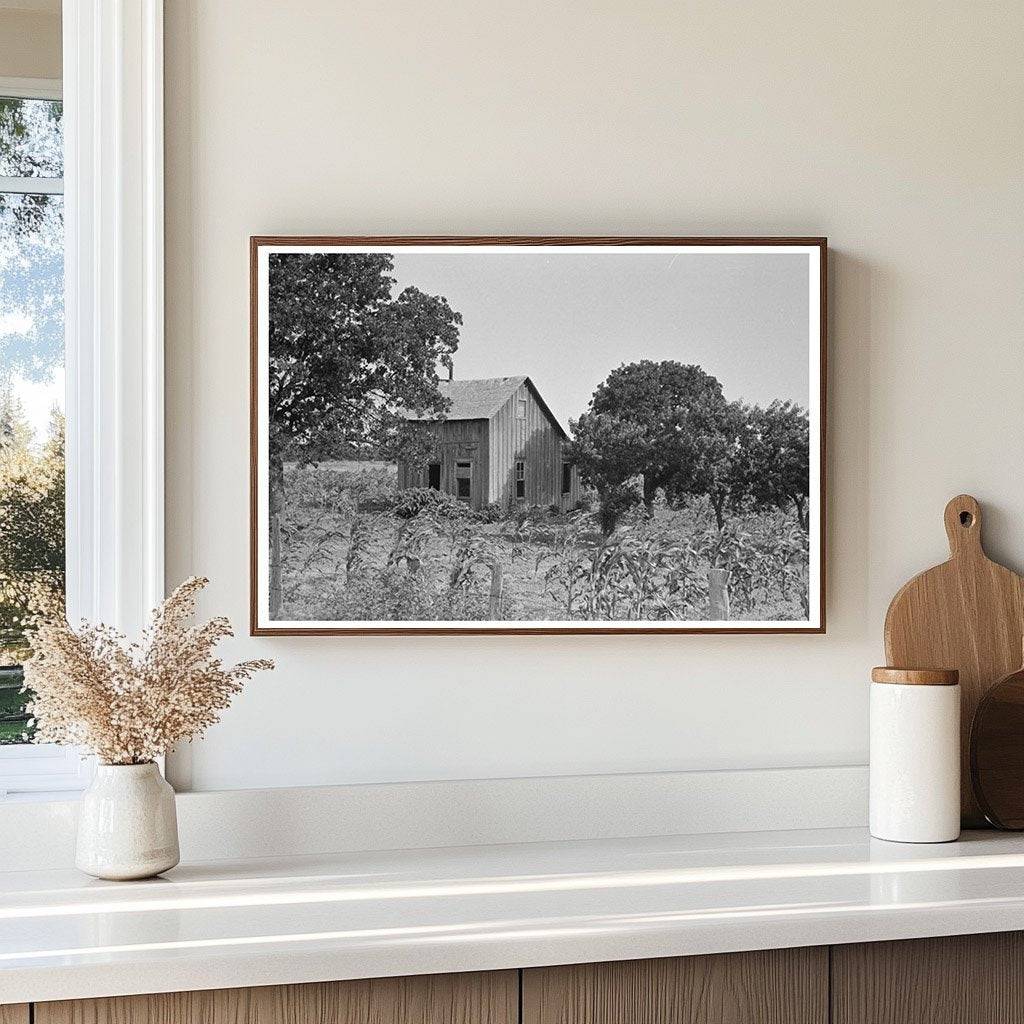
129, 703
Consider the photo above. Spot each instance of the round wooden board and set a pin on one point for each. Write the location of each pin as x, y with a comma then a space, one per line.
997, 753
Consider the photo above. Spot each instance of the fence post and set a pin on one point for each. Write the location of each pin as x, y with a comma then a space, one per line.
494, 609
718, 595
276, 588
276, 497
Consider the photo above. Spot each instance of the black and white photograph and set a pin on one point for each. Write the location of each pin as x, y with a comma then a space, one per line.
537, 436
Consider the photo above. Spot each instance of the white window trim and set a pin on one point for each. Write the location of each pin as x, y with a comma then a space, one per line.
114, 320
32, 88
113, 110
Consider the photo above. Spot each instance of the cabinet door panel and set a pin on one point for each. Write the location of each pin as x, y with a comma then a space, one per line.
14, 1013
778, 986
482, 998
961, 979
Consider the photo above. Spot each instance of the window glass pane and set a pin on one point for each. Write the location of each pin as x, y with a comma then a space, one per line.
31, 411
31, 138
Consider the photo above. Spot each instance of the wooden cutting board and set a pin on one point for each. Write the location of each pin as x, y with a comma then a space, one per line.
997, 752
967, 614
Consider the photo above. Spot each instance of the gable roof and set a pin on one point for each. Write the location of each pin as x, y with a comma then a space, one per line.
481, 399
478, 399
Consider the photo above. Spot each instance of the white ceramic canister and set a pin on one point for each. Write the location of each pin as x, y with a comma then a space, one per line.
915, 755
127, 825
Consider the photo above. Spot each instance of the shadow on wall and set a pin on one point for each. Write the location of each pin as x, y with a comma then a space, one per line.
855, 288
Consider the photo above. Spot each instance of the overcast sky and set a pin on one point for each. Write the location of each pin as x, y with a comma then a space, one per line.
567, 319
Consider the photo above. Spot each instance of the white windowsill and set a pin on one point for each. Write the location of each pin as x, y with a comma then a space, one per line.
42, 771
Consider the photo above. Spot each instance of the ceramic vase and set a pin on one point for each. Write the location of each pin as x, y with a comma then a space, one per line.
127, 825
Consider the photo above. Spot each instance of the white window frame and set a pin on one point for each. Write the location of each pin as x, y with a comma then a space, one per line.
32, 88
43, 767
114, 321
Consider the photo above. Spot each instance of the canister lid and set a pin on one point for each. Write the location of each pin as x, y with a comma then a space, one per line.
916, 676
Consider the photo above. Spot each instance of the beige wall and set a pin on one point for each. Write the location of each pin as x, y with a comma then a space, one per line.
897, 129
30, 43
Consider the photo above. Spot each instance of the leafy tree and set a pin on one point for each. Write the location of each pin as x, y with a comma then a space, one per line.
31, 524
646, 420
608, 451
31, 348
778, 460
31, 138
719, 460
349, 360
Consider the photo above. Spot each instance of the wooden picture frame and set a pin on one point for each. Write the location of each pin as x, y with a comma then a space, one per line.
815, 249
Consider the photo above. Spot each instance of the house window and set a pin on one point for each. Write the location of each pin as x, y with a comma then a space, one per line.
521, 409
566, 478
520, 480
463, 480
31, 385
434, 476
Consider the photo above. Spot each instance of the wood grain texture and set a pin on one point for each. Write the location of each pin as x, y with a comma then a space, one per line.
915, 676
961, 979
779, 986
14, 1013
455, 440
480, 998
967, 614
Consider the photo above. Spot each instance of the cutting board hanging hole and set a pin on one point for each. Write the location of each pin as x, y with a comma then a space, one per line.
963, 525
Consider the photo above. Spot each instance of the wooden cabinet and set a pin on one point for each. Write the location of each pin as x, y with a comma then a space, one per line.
971, 979
777, 986
490, 998
963, 979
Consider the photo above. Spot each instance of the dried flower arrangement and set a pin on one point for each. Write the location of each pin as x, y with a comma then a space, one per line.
129, 703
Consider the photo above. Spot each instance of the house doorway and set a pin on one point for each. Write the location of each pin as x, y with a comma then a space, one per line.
434, 476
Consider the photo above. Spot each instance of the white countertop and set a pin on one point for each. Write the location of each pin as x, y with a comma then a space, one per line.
261, 922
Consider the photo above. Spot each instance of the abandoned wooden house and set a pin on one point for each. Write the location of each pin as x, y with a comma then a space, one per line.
498, 443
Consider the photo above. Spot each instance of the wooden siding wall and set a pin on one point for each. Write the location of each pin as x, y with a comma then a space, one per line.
536, 442
457, 441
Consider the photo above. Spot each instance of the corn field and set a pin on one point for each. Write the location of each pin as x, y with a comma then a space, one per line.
353, 550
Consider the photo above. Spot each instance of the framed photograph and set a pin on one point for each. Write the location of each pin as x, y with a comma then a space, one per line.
537, 435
